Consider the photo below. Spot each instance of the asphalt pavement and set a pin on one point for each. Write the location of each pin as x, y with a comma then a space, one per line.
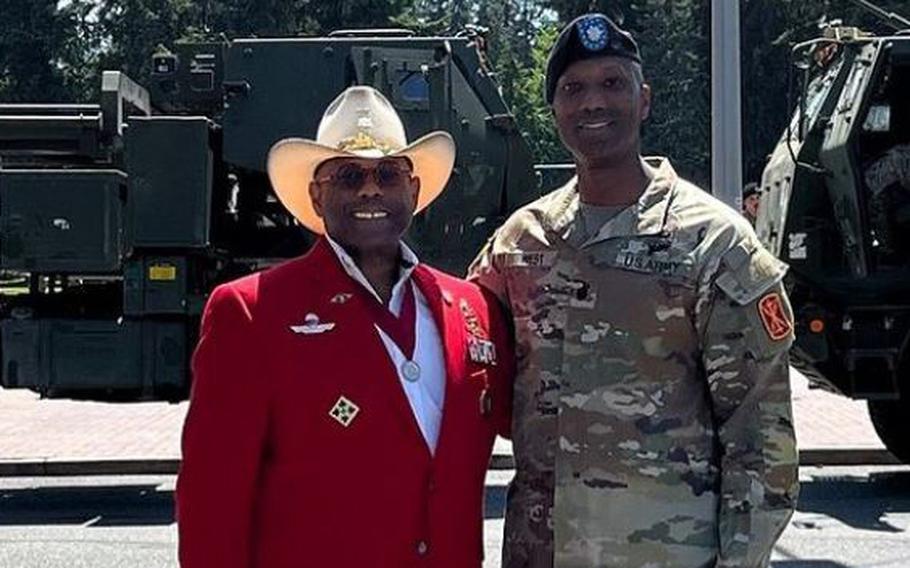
76, 489
847, 517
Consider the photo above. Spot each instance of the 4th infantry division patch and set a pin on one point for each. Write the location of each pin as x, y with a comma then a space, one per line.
344, 411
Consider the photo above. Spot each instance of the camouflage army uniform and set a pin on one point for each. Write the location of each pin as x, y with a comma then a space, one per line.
652, 424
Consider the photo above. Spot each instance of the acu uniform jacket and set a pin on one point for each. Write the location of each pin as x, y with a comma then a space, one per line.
652, 424
301, 450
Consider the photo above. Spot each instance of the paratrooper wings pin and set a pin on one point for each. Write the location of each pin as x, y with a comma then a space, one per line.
312, 325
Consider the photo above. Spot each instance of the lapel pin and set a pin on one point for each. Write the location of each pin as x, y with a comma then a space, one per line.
312, 325
341, 297
486, 398
480, 348
486, 403
481, 351
344, 411
471, 321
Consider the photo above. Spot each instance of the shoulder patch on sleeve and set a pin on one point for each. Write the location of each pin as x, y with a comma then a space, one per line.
748, 270
773, 317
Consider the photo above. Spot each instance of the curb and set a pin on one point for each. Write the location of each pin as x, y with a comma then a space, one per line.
62, 468
809, 457
56, 467
847, 456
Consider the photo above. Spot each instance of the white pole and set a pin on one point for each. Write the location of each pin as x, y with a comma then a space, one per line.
726, 110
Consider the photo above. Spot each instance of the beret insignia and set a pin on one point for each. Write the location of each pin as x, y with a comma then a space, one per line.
593, 32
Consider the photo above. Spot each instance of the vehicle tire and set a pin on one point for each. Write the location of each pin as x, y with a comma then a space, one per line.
889, 417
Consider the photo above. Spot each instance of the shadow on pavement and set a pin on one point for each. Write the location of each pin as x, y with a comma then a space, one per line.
124, 505
858, 501
807, 564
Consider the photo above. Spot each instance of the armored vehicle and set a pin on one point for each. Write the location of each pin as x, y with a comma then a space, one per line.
836, 207
118, 218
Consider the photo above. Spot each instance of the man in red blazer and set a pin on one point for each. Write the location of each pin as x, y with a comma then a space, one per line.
345, 403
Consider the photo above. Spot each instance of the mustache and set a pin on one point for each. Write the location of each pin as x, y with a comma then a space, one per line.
599, 115
373, 202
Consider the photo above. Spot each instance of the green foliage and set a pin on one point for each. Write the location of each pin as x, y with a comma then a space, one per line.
242, 18
31, 38
436, 17
325, 16
52, 50
79, 58
673, 37
528, 104
570, 9
518, 35
131, 28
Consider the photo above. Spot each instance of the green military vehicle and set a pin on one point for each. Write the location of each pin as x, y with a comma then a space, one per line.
118, 218
836, 207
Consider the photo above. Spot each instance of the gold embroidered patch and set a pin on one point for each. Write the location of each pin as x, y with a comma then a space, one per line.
471, 321
363, 141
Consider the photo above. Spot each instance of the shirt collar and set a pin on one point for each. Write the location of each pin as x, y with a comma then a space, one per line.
648, 216
409, 262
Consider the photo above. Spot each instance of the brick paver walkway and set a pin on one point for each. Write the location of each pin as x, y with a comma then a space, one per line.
33, 429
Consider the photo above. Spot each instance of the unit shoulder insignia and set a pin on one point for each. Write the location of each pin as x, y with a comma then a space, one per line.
773, 316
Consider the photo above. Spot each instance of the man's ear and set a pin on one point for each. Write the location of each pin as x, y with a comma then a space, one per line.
415, 186
316, 196
645, 95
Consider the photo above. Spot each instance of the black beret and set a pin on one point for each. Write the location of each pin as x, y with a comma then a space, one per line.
591, 35
750, 188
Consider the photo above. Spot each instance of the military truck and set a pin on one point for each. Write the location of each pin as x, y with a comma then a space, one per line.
118, 218
834, 208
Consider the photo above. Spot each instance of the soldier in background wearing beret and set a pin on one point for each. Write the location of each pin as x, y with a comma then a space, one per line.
651, 416
751, 202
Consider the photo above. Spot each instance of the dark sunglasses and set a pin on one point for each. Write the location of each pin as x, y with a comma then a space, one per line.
352, 176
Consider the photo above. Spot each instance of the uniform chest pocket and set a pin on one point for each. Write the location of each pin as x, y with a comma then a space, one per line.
653, 258
644, 288
528, 276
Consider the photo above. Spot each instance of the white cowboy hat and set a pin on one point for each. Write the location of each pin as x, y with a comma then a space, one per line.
359, 123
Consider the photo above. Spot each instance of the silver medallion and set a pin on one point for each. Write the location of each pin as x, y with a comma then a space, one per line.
410, 370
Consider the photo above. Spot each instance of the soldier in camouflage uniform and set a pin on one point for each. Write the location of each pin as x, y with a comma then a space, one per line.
652, 424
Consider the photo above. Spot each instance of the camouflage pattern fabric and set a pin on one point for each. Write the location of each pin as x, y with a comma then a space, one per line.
652, 424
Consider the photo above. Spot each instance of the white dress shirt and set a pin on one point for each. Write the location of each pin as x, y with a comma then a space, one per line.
426, 395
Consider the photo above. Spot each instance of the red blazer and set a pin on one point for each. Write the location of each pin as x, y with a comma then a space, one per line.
269, 479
